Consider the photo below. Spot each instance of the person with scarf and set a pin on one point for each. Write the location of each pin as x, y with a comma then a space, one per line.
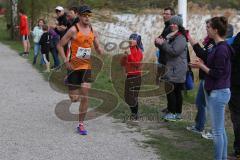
175, 47
132, 63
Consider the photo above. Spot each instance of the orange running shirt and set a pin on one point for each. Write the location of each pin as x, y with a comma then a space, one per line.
81, 50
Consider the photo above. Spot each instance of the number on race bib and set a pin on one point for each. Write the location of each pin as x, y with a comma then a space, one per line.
83, 53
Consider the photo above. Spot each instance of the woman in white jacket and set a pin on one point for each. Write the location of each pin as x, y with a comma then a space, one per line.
37, 33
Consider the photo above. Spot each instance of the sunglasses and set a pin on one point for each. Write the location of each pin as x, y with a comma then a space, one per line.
86, 14
57, 11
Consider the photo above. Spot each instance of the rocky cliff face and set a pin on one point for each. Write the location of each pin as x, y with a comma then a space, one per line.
149, 26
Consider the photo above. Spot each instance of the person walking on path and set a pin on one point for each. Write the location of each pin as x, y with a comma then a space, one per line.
83, 38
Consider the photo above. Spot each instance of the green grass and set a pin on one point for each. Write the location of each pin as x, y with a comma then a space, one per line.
182, 145
178, 143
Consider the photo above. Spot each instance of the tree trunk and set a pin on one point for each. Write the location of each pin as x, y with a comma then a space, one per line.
14, 18
32, 20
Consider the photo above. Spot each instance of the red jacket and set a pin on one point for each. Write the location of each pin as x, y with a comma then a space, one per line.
132, 62
23, 26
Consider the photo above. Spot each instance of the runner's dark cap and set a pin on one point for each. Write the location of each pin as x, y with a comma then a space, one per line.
84, 9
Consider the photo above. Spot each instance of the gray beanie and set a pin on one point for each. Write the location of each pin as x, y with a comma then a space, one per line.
176, 20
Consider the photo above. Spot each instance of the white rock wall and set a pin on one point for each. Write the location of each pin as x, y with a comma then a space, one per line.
150, 26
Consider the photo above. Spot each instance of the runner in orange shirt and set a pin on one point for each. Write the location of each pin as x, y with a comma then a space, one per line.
82, 38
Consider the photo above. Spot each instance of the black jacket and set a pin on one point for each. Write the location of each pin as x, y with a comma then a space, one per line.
202, 52
166, 31
62, 21
45, 42
72, 22
235, 76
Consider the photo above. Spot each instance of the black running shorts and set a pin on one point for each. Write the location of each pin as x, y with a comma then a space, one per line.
77, 77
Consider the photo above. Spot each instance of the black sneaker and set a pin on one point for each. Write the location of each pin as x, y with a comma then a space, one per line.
134, 117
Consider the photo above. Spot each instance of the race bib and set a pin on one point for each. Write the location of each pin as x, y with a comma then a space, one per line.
83, 53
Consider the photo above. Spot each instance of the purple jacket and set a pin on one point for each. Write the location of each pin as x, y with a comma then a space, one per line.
53, 34
219, 62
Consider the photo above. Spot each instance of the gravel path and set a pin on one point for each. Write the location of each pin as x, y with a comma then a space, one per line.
30, 130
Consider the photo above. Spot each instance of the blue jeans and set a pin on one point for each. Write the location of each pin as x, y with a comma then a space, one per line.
36, 52
201, 107
217, 100
54, 52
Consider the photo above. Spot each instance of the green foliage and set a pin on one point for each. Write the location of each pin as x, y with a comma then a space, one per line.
142, 4
221, 3
36, 9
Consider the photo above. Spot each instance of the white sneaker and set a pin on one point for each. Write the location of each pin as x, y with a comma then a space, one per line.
207, 135
194, 129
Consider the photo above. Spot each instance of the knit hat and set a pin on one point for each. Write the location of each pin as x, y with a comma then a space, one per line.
176, 20
138, 38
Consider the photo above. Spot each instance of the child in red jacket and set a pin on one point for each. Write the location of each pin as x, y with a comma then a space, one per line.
132, 63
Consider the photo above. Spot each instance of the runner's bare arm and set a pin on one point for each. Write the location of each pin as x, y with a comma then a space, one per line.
96, 43
65, 39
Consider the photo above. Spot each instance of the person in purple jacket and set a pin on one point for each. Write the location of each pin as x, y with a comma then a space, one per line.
217, 82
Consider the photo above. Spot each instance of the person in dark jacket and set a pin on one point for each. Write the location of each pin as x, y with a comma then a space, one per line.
217, 82
45, 46
132, 64
201, 52
168, 13
61, 26
72, 17
230, 31
234, 103
175, 48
